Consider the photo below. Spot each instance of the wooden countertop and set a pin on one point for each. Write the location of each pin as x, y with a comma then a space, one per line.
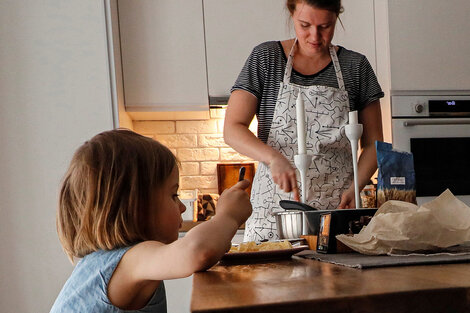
301, 285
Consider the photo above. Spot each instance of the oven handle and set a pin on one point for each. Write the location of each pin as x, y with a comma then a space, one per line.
436, 122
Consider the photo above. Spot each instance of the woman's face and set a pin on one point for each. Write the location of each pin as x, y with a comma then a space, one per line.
167, 210
314, 28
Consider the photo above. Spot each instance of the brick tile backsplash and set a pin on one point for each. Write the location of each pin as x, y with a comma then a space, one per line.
217, 113
198, 154
178, 141
154, 127
208, 168
198, 182
190, 168
231, 155
198, 145
215, 140
196, 127
220, 126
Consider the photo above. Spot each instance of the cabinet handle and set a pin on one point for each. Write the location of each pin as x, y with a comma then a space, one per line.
436, 122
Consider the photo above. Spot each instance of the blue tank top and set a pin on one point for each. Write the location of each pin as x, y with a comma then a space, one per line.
86, 289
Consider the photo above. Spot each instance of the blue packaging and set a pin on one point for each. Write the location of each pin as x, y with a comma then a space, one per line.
396, 174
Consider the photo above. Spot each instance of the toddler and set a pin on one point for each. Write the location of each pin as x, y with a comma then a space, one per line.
119, 213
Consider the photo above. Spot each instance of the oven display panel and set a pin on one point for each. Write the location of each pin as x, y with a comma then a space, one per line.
449, 107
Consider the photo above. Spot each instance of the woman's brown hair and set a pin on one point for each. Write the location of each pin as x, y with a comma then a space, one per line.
107, 191
330, 5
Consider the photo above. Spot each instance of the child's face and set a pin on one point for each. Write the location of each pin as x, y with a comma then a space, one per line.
166, 215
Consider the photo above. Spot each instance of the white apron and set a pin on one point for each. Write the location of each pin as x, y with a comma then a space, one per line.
326, 114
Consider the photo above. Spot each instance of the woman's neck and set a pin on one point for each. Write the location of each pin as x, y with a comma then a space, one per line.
307, 64
313, 57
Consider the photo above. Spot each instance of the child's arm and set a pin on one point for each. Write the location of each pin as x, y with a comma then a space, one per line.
202, 247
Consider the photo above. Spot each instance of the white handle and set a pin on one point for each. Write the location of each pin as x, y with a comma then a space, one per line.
353, 132
302, 162
356, 181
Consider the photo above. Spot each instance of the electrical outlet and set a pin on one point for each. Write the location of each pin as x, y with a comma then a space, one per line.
189, 213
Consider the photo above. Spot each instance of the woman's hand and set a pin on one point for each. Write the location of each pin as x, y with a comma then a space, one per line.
284, 175
241, 109
371, 119
348, 200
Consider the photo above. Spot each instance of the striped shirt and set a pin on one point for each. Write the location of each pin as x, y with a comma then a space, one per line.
264, 70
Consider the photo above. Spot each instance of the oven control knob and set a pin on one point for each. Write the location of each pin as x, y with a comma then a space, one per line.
419, 108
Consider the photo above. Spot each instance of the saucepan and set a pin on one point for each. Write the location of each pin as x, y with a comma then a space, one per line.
297, 219
300, 219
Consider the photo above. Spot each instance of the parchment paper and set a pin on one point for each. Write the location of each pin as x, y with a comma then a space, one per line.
399, 226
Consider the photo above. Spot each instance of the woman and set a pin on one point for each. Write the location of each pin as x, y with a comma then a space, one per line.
332, 81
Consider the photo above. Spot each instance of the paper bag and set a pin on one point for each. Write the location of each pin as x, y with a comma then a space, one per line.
399, 226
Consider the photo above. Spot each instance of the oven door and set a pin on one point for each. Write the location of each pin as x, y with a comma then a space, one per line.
441, 152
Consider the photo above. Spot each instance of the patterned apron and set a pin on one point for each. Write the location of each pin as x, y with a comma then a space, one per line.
326, 114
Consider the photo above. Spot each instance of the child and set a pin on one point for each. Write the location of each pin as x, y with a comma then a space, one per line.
119, 211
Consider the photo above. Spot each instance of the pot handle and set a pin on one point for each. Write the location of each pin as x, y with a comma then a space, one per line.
295, 205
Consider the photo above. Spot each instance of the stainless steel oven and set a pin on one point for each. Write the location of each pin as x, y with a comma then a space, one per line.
435, 127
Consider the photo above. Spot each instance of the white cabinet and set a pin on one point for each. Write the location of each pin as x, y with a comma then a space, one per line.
358, 33
234, 27
176, 54
429, 46
163, 55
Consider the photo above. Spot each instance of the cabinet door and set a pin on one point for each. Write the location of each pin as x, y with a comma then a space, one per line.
163, 55
358, 33
429, 45
234, 27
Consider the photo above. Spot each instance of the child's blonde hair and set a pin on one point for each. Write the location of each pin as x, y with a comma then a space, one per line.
107, 191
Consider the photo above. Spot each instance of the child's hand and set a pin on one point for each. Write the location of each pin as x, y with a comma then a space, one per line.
235, 202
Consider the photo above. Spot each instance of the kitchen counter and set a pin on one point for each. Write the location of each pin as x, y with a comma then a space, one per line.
302, 285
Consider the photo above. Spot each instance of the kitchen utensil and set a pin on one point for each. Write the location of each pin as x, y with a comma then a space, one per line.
295, 205
302, 160
289, 224
299, 206
353, 132
241, 173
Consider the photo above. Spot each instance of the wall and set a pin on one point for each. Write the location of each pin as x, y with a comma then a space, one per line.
199, 145
54, 94
383, 64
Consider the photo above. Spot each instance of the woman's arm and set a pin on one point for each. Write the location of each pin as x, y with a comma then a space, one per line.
240, 112
371, 119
